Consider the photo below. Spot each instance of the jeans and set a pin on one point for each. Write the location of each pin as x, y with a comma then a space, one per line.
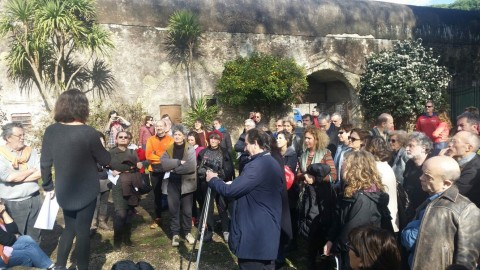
25, 214
180, 207
77, 223
26, 252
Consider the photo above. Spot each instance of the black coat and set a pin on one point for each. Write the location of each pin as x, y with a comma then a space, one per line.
469, 182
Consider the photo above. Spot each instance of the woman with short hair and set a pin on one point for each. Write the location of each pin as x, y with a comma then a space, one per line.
126, 164
398, 141
73, 149
179, 162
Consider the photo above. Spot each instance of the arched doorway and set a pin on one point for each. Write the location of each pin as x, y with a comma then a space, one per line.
331, 91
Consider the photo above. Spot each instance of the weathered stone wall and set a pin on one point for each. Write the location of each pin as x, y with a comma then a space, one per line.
330, 38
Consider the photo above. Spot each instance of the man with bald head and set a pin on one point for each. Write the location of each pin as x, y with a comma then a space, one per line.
383, 126
445, 229
463, 147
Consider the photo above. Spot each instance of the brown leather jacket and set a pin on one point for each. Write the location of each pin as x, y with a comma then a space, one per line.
449, 233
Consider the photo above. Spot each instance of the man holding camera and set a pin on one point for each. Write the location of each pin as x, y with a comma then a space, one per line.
257, 209
116, 123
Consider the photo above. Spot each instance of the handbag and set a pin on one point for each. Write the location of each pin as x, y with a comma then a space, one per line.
289, 176
146, 187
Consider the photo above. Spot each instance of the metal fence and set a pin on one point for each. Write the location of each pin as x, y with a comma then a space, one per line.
460, 98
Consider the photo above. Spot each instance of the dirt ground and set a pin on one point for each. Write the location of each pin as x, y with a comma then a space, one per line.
152, 246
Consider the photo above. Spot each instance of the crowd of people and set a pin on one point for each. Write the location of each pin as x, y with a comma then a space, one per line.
375, 198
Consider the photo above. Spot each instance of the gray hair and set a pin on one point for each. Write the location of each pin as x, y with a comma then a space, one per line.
7, 129
470, 138
422, 140
250, 122
323, 116
472, 119
181, 128
402, 137
336, 114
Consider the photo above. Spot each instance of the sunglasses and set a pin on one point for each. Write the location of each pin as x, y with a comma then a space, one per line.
353, 139
393, 141
123, 137
352, 248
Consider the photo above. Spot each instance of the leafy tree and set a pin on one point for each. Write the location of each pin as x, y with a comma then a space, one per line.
262, 82
462, 4
183, 35
52, 42
200, 110
399, 81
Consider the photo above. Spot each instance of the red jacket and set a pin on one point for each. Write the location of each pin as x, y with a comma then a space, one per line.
427, 124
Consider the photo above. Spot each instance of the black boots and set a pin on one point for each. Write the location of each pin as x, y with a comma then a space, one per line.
123, 236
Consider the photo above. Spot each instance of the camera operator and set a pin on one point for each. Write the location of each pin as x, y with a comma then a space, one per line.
217, 159
116, 123
257, 209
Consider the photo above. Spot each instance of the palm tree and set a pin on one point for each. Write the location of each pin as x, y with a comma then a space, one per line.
182, 39
44, 36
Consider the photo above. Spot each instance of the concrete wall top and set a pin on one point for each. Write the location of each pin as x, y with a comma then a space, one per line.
306, 18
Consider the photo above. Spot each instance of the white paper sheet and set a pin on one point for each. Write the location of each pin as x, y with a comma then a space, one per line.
112, 178
48, 214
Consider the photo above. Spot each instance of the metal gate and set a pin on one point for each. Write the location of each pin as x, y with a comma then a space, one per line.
462, 98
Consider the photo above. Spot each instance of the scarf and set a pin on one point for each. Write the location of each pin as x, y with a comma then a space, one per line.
18, 162
317, 158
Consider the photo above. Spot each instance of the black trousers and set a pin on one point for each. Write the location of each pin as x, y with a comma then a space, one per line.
246, 264
180, 207
160, 203
77, 223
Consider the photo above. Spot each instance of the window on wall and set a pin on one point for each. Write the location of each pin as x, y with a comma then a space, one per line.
24, 118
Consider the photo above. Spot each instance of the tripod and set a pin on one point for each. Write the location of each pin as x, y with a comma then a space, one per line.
203, 224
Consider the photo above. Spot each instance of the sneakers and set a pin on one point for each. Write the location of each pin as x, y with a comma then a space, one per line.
175, 241
155, 224
225, 236
190, 239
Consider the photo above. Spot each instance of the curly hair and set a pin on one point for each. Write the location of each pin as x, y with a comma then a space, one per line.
320, 136
290, 120
360, 172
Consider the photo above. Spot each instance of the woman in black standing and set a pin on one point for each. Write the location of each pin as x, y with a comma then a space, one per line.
73, 149
126, 164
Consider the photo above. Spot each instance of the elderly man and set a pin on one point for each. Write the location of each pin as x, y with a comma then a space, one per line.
239, 146
418, 150
257, 209
156, 146
337, 119
463, 148
468, 121
19, 174
383, 126
445, 229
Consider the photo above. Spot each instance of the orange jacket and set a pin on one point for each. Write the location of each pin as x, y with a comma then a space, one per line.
156, 147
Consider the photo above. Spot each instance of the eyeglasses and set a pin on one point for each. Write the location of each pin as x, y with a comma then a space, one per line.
428, 106
352, 248
122, 137
353, 139
393, 141
19, 136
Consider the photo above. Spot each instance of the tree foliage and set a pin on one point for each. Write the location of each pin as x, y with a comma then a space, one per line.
262, 82
53, 44
462, 4
183, 34
399, 81
200, 110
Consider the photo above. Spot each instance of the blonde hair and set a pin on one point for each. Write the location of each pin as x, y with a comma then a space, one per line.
320, 136
290, 120
443, 116
360, 172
